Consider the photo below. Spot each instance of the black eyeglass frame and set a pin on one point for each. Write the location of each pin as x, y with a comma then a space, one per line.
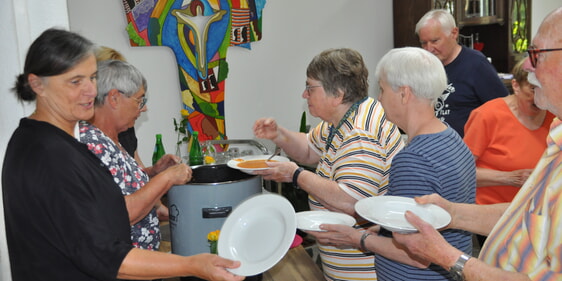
534, 54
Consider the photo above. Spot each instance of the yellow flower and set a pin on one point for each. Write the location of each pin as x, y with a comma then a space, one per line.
213, 238
184, 113
213, 235
209, 159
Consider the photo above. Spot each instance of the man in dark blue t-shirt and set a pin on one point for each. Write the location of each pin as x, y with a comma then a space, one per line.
472, 79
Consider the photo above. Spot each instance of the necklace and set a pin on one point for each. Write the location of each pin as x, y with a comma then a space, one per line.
333, 130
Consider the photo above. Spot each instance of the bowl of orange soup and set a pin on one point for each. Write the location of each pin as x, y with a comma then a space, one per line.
251, 163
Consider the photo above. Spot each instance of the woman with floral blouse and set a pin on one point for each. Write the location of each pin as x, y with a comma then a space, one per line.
119, 102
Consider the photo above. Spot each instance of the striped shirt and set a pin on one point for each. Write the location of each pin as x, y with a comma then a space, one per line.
528, 237
432, 163
358, 159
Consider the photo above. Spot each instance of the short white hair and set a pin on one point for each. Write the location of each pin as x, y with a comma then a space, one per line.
416, 68
120, 75
444, 18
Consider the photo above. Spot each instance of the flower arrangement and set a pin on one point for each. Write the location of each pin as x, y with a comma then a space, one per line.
181, 129
213, 239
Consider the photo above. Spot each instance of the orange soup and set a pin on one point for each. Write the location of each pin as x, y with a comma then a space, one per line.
254, 164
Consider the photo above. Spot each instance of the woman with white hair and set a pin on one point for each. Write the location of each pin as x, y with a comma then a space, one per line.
435, 160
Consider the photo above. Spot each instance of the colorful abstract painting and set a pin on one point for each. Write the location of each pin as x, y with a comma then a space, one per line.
199, 33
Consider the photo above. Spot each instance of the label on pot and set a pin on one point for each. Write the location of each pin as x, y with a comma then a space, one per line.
217, 212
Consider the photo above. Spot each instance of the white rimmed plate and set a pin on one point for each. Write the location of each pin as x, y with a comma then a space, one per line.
388, 211
233, 163
258, 233
311, 220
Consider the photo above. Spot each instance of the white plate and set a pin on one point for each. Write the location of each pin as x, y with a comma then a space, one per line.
311, 220
233, 163
258, 233
388, 211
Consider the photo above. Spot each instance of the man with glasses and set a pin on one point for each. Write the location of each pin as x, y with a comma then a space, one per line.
120, 100
534, 53
472, 79
525, 236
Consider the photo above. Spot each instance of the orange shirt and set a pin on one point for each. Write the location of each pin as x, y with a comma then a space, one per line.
528, 237
501, 142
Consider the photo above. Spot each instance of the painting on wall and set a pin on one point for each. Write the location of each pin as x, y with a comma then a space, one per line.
199, 33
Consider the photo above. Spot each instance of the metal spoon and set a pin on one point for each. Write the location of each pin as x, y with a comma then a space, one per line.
277, 151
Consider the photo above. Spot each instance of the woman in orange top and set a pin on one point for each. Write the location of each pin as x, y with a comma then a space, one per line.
507, 137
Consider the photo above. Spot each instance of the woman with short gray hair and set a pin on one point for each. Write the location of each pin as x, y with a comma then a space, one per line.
435, 161
352, 147
120, 100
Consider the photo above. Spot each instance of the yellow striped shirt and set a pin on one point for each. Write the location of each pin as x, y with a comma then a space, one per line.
359, 160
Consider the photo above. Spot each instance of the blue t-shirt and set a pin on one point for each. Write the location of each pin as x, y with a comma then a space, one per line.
472, 82
432, 163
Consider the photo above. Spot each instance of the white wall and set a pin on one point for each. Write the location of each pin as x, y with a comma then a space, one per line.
267, 80
21, 21
539, 10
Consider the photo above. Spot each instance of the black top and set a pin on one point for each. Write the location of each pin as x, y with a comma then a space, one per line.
472, 81
66, 218
128, 140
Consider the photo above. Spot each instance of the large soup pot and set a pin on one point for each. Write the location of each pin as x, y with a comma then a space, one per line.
202, 205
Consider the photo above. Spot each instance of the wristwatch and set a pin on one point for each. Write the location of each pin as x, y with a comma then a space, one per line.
457, 268
296, 176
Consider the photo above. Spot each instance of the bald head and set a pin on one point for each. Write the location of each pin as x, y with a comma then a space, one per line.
548, 64
551, 27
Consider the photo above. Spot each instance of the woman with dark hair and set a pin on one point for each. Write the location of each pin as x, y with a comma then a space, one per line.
66, 218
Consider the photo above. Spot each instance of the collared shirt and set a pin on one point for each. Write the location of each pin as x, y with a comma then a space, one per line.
528, 237
358, 159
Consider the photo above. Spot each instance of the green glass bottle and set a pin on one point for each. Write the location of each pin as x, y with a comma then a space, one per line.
158, 149
195, 153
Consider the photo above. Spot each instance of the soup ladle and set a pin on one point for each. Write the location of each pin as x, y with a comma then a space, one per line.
277, 151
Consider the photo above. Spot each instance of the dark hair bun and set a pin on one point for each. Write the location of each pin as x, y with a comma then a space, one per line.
22, 89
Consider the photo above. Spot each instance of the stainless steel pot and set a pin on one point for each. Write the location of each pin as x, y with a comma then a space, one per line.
202, 205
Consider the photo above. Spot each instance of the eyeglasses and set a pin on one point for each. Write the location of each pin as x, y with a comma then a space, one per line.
142, 101
534, 54
308, 87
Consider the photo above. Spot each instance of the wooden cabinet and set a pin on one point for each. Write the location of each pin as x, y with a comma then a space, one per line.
406, 13
474, 12
493, 20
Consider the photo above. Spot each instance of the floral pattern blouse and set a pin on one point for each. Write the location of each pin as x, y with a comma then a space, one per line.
126, 172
